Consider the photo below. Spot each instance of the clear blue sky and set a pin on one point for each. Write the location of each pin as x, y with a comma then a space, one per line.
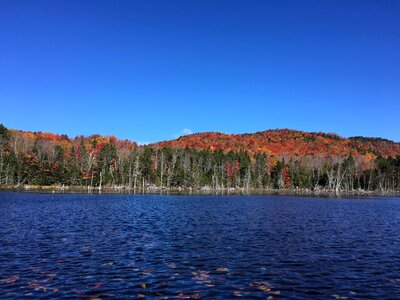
146, 70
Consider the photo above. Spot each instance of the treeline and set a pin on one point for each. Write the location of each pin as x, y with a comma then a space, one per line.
96, 161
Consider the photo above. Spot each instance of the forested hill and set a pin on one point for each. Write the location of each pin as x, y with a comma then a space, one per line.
286, 142
272, 159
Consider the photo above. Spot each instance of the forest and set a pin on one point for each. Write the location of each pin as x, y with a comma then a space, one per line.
279, 159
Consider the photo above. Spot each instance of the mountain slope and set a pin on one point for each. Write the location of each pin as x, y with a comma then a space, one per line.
271, 159
286, 142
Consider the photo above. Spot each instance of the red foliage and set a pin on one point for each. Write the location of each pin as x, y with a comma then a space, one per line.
285, 142
274, 143
99, 147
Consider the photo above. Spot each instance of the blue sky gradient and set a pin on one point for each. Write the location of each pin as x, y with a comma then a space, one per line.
152, 70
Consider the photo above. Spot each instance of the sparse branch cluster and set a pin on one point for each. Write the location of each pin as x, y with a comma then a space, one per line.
96, 161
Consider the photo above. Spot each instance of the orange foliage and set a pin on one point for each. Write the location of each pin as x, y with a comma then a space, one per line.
286, 142
93, 143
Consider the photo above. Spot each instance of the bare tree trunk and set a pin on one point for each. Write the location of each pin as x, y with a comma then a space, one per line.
101, 179
136, 172
130, 175
331, 179
248, 178
112, 176
339, 177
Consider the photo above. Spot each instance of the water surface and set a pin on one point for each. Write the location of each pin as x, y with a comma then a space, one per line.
211, 247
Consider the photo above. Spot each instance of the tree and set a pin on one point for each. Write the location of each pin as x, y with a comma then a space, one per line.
4, 138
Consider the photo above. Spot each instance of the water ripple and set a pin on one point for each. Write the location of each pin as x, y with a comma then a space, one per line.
181, 247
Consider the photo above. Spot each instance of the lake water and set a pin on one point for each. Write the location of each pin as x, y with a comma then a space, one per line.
191, 247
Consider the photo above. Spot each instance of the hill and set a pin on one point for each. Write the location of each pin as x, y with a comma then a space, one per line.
271, 159
286, 142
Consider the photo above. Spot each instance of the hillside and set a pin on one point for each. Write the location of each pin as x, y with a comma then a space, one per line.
271, 159
279, 142
286, 142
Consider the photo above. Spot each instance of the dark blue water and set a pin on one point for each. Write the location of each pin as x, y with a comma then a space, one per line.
190, 247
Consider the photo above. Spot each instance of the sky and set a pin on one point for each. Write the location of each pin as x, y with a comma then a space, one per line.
154, 70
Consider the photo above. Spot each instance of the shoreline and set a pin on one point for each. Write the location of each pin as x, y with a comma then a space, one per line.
191, 191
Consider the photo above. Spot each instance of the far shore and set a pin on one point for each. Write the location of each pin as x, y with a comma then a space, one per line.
195, 191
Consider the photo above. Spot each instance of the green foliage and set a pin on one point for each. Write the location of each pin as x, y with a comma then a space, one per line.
4, 134
47, 159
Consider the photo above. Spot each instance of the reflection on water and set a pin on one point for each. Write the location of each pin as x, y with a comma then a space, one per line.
192, 247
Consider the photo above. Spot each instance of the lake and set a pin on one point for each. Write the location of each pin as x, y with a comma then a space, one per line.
191, 247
